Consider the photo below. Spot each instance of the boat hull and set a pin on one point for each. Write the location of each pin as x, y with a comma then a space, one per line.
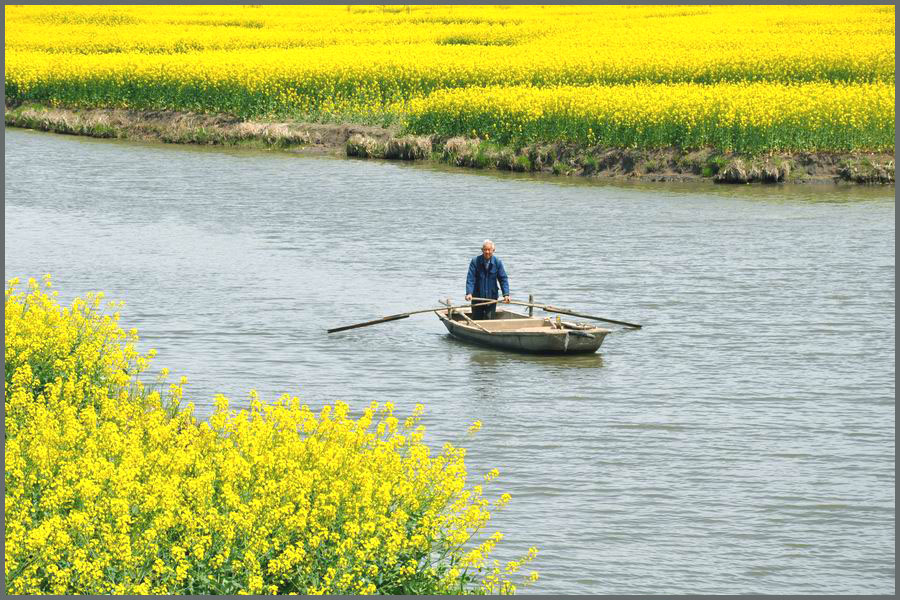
544, 339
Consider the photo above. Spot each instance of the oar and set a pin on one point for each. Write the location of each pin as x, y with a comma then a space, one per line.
403, 316
566, 311
473, 323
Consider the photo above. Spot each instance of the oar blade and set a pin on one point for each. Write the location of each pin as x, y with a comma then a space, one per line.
367, 323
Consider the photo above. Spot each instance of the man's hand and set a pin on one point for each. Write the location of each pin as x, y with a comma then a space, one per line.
468, 297
506, 299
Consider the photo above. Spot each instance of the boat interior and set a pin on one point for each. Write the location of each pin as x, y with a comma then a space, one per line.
506, 320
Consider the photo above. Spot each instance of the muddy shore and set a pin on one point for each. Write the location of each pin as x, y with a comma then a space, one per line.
389, 143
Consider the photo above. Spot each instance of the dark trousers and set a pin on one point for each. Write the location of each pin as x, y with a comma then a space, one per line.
485, 312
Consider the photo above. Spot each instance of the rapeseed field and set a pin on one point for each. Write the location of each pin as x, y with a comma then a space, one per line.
113, 487
751, 78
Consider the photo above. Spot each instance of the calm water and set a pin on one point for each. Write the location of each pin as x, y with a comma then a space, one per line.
743, 441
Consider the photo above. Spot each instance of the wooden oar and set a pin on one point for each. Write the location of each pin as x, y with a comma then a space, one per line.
402, 316
473, 323
566, 311
464, 315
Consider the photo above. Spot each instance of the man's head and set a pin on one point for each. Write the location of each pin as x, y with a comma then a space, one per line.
487, 249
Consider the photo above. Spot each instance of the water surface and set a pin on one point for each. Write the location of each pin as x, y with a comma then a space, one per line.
743, 441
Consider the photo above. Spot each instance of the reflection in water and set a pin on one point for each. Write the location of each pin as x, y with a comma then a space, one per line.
829, 193
486, 357
498, 358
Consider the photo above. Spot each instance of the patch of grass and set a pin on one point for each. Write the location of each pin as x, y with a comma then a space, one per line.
102, 130
505, 159
688, 164
201, 136
863, 170
466, 40
714, 164
653, 166
248, 23
485, 155
522, 163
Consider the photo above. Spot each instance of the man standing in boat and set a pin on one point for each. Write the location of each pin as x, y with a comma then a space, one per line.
485, 271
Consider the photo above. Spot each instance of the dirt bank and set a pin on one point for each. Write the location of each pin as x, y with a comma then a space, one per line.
389, 143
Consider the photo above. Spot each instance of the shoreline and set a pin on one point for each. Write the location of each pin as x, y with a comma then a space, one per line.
365, 141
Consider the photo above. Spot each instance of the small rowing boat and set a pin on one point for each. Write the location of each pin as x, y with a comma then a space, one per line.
513, 331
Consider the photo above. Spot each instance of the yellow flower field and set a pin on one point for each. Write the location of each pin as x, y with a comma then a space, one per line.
113, 487
369, 63
745, 117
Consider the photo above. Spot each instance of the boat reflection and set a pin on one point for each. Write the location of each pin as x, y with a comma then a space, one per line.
493, 358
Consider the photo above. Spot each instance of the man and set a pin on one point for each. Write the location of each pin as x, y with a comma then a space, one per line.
481, 282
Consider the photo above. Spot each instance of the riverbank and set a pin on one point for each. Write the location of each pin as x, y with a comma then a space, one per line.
364, 141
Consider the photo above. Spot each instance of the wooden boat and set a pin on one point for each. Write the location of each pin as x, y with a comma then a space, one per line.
514, 331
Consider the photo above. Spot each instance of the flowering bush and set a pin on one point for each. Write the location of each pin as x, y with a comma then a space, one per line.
113, 486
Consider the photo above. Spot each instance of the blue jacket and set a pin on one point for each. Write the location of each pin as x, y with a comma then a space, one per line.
483, 276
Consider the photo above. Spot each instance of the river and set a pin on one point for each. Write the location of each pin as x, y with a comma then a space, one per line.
741, 442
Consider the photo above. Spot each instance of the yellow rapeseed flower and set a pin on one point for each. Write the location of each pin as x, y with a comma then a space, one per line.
328, 63
134, 496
